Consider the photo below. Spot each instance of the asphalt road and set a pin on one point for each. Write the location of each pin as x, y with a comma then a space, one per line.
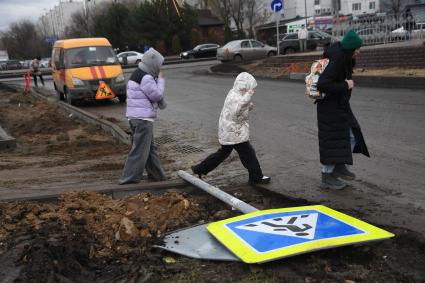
390, 185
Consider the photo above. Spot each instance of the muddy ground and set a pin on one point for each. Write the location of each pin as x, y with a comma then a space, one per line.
55, 152
87, 237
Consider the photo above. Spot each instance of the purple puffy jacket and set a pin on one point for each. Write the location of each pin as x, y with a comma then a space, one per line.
143, 98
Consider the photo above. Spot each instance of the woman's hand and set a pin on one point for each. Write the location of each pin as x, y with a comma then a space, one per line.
350, 84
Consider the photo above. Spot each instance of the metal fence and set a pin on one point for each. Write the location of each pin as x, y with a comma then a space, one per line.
382, 29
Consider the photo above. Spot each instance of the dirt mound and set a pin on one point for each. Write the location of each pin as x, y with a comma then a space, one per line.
87, 237
71, 239
27, 116
111, 222
46, 129
227, 68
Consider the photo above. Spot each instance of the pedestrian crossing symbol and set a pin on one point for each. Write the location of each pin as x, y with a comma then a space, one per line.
104, 91
271, 234
300, 226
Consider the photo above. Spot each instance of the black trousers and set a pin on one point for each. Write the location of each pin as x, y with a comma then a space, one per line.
246, 154
35, 79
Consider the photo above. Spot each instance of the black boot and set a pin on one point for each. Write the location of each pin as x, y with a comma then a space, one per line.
342, 172
264, 180
196, 172
329, 181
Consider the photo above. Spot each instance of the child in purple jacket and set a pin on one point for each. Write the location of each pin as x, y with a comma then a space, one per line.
145, 94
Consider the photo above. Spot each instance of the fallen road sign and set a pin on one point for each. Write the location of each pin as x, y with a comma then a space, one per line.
267, 235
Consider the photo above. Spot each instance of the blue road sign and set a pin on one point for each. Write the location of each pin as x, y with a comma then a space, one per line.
277, 5
271, 234
50, 39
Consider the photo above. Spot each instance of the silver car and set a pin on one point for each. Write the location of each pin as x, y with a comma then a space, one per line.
245, 49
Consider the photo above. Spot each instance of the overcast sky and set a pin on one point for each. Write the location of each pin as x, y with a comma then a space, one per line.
17, 10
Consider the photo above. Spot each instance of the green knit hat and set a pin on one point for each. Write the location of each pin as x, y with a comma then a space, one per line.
351, 40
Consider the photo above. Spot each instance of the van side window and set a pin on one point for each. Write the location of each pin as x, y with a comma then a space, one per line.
61, 58
56, 52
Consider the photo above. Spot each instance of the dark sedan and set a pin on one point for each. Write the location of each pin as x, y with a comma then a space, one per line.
12, 65
201, 51
290, 43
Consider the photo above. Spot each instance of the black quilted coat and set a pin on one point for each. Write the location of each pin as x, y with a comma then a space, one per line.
334, 114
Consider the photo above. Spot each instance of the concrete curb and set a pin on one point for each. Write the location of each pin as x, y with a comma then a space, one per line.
118, 191
6, 141
89, 118
362, 81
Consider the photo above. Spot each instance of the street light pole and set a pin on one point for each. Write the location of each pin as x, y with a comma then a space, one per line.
305, 12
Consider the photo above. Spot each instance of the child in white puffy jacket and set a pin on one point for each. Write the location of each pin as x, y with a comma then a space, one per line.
233, 131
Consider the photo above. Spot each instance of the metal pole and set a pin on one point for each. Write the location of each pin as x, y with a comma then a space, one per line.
305, 12
216, 192
277, 32
337, 16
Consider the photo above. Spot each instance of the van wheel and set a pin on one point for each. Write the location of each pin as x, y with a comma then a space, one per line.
68, 97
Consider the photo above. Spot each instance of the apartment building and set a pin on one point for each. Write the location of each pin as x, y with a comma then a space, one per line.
52, 23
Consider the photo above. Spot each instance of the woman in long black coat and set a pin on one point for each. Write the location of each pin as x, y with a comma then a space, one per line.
339, 132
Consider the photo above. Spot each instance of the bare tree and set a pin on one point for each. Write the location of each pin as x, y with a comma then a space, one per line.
222, 9
79, 26
256, 14
237, 13
395, 7
22, 41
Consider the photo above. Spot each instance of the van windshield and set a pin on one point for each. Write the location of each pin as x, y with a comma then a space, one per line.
90, 56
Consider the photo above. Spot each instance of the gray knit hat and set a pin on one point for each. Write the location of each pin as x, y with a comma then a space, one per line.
151, 62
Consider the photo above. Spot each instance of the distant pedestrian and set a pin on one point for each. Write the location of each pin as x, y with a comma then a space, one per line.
35, 70
233, 131
303, 37
339, 132
145, 94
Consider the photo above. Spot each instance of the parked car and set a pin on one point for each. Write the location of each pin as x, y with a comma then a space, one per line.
26, 64
12, 65
201, 51
246, 49
45, 62
401, 32
371, 35
129, 57
290, 43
